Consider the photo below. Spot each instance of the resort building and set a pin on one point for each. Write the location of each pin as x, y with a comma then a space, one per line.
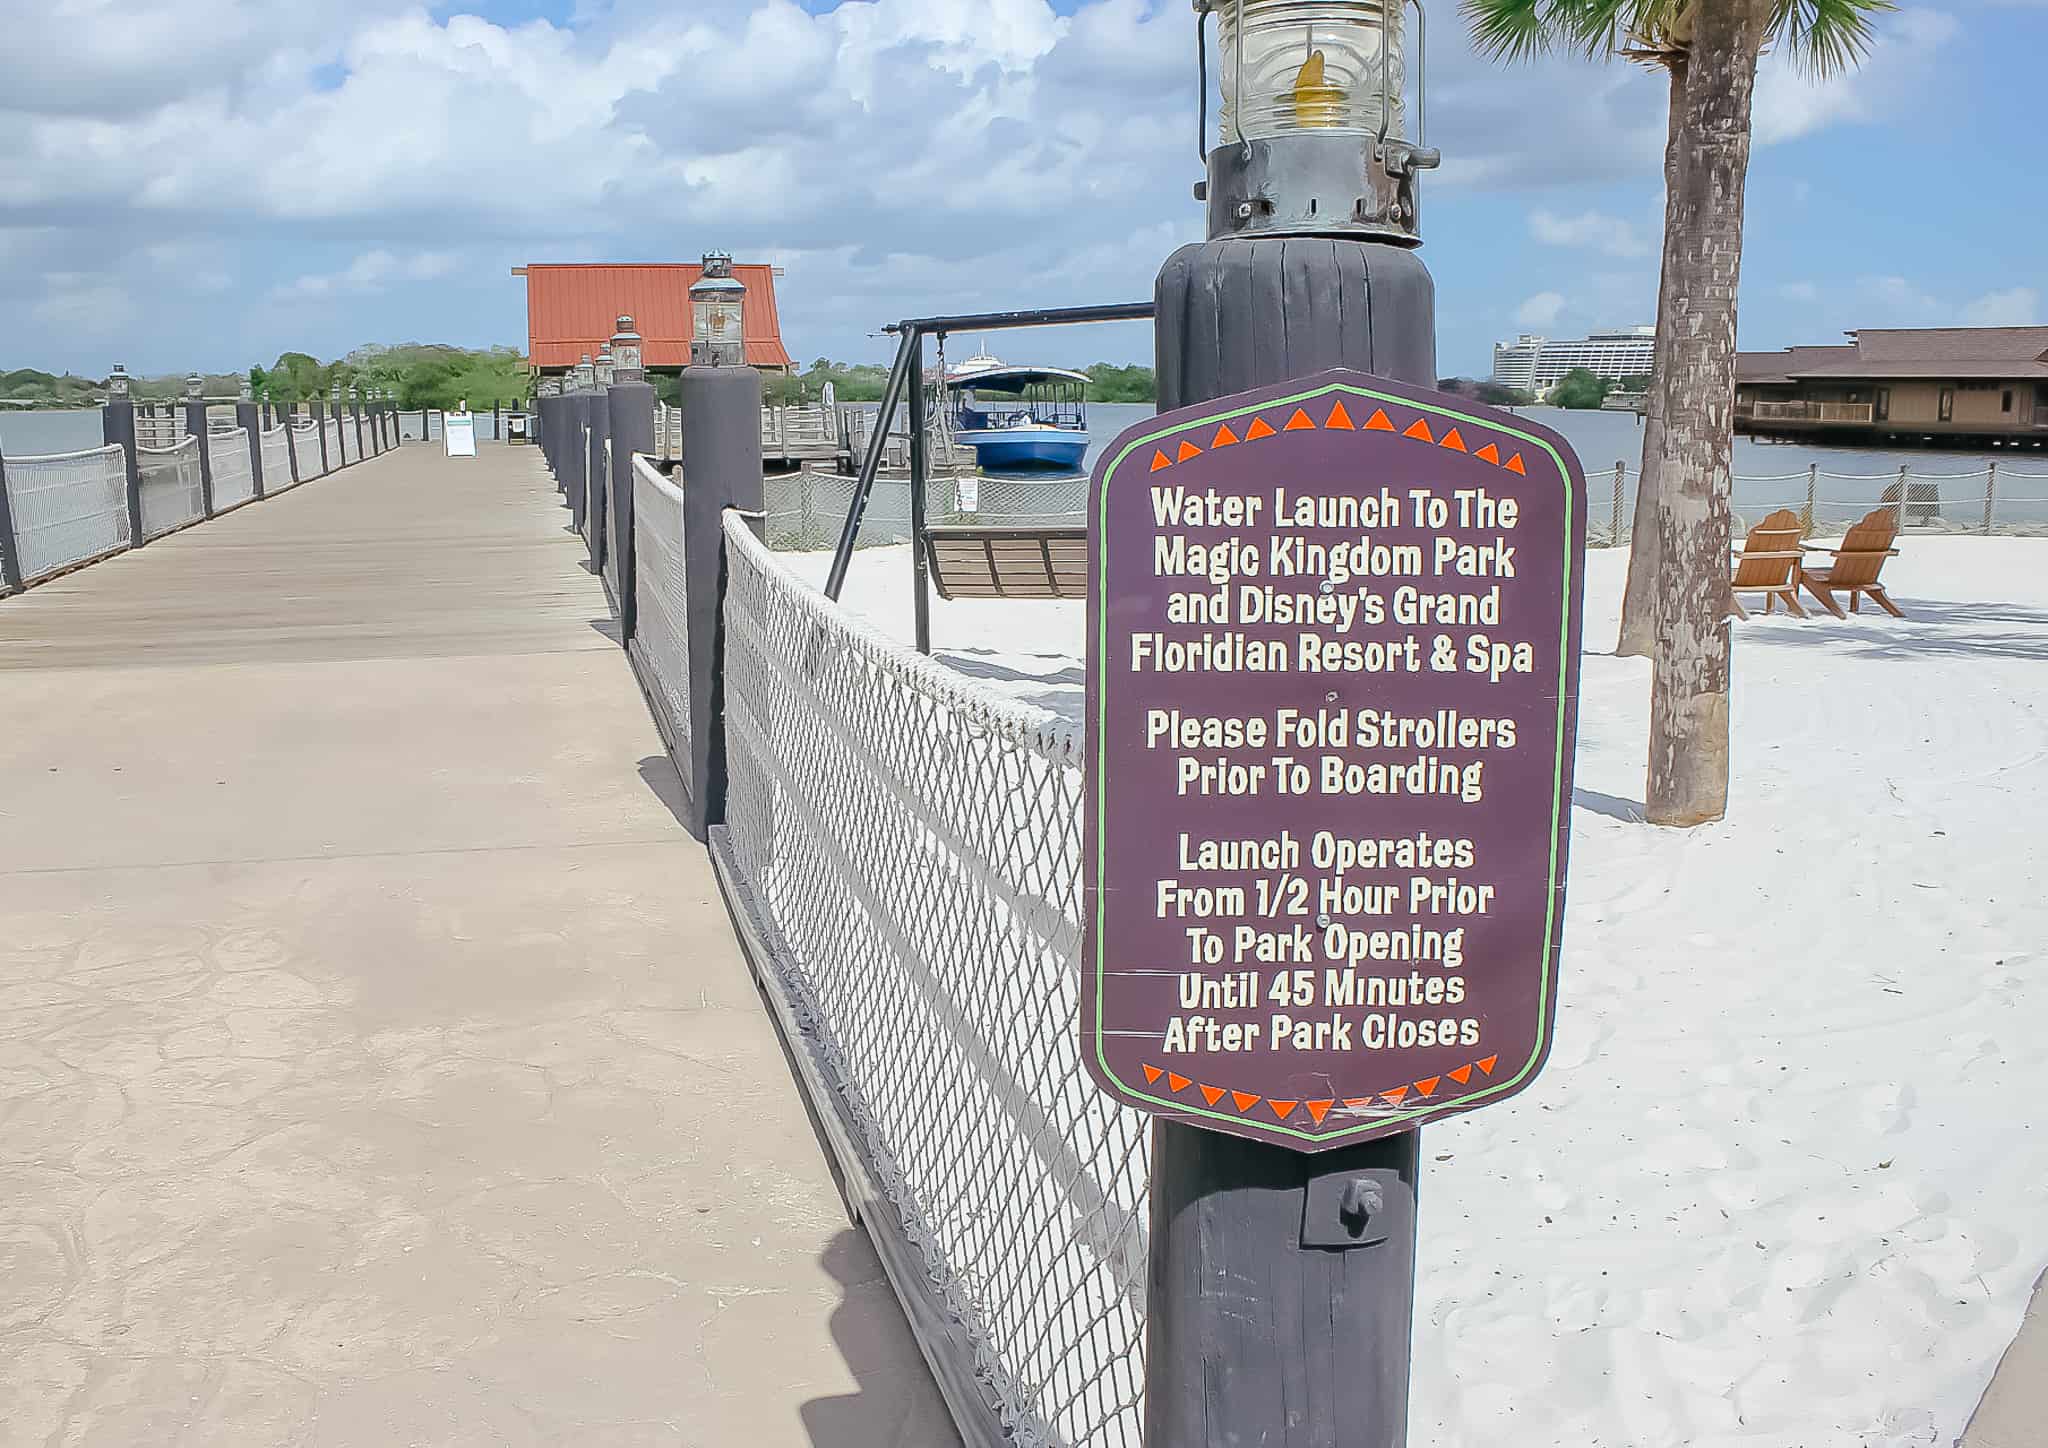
1537, 364
573, 308
1954, 385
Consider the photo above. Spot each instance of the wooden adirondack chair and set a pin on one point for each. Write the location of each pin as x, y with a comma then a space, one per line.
1859, 557
1769, 564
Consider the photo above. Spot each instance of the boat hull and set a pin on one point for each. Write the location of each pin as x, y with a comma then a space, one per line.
1028, 447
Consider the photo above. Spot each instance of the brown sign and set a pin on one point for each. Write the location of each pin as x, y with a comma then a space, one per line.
1332, 697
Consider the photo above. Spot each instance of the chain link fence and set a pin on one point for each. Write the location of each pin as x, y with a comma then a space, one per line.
661, 628
68, 508
807, 509
171, 491
1994, 499
912, 841
234, 476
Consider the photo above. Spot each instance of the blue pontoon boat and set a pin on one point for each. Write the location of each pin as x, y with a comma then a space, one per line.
1018, 417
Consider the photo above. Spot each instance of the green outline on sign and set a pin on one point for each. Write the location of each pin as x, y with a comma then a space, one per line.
1096, 743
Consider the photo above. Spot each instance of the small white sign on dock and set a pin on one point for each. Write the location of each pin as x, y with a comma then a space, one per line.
458, 434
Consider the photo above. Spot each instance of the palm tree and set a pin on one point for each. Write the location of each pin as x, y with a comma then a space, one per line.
1677, 604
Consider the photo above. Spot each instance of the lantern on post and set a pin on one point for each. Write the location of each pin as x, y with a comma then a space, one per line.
586, 374
195, 387
550, 387
245, 390
118, 383
605, 366
626, 353
717, 315
1315, 135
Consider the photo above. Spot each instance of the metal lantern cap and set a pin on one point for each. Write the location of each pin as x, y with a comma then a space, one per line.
1314, 136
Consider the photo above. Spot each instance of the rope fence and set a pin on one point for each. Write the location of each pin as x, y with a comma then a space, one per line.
73, 508
234, 475
912, 840
68, 508
171, 492
277, 459
1994, 499
661, 634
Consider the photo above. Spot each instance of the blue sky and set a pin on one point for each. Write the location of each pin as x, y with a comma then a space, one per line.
211, 182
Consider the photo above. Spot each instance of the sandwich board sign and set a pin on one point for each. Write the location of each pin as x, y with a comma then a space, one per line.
1333, 664
458, 434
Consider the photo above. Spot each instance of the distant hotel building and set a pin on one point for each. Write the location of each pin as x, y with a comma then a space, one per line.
1537, 364
1957, 386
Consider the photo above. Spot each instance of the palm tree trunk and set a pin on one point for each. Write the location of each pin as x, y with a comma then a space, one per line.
1639, 601
1688, 773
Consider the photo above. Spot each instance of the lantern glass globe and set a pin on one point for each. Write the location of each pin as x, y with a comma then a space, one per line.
1310, 65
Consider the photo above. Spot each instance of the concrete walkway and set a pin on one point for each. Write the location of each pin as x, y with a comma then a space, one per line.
376, 1065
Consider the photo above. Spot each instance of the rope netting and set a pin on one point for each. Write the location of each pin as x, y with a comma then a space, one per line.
306, 445
171, 492
661, 631
611, 513
913, 841
234, 477
67, 507
277, 459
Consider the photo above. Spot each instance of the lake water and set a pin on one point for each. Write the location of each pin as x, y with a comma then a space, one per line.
23, 434
1768, 475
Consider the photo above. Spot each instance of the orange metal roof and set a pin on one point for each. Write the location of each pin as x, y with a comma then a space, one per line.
571, 308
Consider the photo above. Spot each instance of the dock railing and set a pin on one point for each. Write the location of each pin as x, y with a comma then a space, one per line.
63, 511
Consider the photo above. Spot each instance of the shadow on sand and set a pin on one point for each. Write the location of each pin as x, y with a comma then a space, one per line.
1930, 629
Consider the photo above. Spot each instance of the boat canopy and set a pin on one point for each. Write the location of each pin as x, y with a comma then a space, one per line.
1008, 379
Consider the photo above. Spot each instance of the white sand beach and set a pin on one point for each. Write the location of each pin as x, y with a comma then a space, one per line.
1784, 1183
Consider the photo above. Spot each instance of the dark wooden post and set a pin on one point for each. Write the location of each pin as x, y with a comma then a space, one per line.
291, 441
355, 407
596, 503
722, 418
117, 426
576, 458
1253, 1335
195, 423
632, 431
320, 431
10, 547
250, 418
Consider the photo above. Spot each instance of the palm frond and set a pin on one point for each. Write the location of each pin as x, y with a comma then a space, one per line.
1509, 29
1826, 37
1649, 30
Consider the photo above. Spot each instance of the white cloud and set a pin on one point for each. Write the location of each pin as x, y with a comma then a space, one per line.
1789, 104
1609, 235
1799, 292
2013, 307
82, 305
1541, 310
907, 154
371, 272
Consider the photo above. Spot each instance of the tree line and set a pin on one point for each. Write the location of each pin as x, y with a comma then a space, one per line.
417, 374
865, 382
